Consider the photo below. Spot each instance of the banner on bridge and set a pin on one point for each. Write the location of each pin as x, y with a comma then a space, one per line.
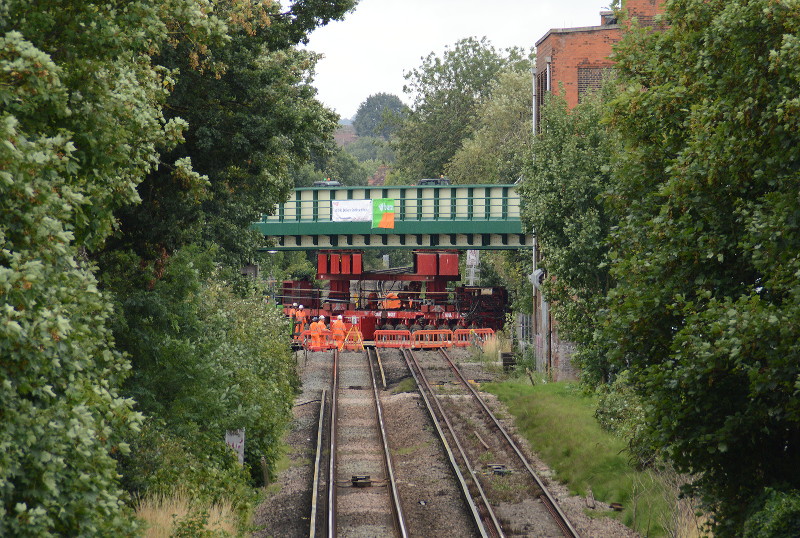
383, 213
351, 210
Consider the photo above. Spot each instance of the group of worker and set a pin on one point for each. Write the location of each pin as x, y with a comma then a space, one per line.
318, 330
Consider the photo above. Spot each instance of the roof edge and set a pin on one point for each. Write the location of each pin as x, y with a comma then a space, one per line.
576, 30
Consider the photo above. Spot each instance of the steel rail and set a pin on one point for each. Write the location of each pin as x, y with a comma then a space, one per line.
332, 448
399, 518
549, 502
425, 387
315, 487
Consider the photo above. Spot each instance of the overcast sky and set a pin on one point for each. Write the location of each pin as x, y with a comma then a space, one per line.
375, 45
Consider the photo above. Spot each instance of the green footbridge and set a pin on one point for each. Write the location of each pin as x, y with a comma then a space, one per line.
461, 217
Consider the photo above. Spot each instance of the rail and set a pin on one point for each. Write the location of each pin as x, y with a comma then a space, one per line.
398, 519
412, 203
482, 514
317, 468
550, 503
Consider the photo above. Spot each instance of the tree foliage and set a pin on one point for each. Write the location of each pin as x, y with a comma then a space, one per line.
496, 151
707, 254
379, 115
81, 124
447, 91
83, 91
252, 117
562, 204
368, 148
205, 360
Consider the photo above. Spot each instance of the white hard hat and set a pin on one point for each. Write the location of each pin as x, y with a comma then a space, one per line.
322, 317
339, 316
294, 304
301, 306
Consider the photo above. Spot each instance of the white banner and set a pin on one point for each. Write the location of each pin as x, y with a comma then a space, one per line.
351, 210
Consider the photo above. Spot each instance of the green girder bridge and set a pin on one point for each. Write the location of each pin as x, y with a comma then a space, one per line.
460, 217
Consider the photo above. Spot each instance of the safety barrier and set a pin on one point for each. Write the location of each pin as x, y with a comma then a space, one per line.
432, 339
424, 339
466, 337
384, 338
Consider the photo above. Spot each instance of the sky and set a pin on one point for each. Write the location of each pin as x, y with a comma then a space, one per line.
371, 49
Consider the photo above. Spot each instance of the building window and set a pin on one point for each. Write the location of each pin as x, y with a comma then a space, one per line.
590, 79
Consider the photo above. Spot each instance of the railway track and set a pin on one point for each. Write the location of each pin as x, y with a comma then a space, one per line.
505, 495
355, 491
361, 498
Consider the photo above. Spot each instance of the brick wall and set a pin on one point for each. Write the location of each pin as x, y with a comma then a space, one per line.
644, 10
570, 51
573, 53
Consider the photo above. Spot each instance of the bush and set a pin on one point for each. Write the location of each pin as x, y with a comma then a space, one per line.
206, 360
779, 517
620, 411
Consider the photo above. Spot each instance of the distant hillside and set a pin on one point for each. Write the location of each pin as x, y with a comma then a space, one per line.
344, 135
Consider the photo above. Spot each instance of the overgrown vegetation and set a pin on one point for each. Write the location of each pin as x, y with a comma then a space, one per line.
558, 421
447, 91
569, 171
673, 249
129, 342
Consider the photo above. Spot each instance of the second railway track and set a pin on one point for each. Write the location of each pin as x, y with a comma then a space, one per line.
508, 497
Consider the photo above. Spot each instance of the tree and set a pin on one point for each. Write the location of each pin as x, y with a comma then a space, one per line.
562, 204
706, 257
81, 123
496, 151
368, 148
252, 117
447, 91
379, 115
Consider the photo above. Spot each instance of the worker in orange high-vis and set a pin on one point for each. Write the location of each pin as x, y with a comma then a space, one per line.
338, 330
291, 312
320, 332
392, 301
314, 330
300, 317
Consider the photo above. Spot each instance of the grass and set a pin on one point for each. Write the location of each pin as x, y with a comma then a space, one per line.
558, 421
162, 514
406, 385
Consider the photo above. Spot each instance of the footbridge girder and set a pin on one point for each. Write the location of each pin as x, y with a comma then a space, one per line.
460, 217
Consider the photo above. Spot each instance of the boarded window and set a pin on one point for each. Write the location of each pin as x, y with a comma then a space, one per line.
590, 79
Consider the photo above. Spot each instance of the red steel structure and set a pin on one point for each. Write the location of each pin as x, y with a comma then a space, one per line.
407, 299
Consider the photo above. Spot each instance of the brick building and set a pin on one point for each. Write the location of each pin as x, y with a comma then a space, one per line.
573, 61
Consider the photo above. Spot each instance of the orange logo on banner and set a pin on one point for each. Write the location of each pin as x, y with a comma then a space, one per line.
383, 213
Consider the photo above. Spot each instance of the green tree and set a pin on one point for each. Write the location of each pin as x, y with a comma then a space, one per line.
379, 115
496, 151
252, 117
561, 197
334, 163
707, 255
369, 148
341, 165
81, 124
447, 91
205, 360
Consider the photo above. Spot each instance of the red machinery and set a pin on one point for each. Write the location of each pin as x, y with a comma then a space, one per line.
402, 298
